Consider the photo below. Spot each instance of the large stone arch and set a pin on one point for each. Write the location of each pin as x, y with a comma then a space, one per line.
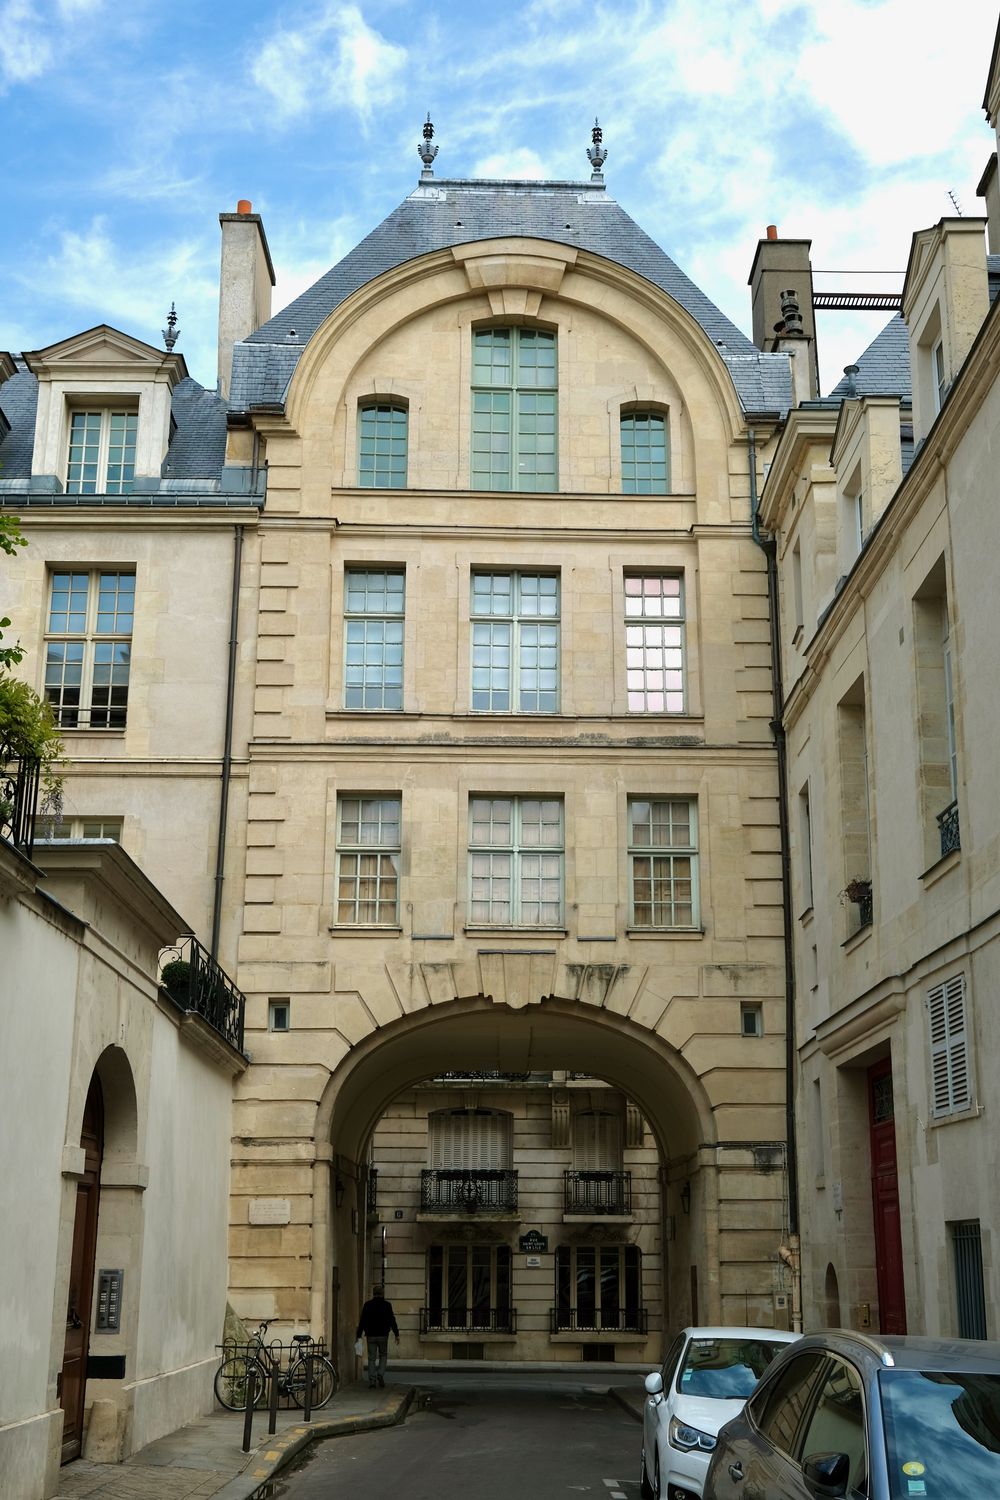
554, 1033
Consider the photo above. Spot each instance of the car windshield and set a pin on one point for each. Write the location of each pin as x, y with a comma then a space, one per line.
942, 1433
726, 1369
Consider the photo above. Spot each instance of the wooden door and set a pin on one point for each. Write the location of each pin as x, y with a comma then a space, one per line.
73, 1380
885, 1200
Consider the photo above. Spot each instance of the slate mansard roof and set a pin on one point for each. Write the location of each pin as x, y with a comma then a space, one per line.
444, 213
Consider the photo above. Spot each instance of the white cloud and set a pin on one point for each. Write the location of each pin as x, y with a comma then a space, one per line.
101, 280
523, 164
334, 58
25, 51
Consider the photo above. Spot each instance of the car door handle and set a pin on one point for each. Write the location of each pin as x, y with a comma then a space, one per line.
736, 1471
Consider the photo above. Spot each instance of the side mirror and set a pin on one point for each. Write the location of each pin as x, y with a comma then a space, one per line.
654, 1384
827, 1474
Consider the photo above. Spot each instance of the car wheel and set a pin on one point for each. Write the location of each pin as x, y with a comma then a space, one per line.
646, 1491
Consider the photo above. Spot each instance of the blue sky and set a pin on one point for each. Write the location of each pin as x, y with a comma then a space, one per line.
127, 127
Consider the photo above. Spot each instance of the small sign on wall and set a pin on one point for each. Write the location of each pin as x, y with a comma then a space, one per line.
533, 1262
270, 1211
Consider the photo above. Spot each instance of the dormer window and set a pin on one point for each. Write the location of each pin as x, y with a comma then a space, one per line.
938, 379
101, 452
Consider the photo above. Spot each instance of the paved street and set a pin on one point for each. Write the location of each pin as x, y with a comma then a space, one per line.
501, 1437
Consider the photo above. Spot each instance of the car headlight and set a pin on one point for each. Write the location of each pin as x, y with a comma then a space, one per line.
689, 1439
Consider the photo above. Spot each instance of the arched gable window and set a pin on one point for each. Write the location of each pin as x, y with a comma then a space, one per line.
514, 391
382, 440
645, 451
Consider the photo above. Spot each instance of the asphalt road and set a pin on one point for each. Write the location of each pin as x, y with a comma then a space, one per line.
495, 1437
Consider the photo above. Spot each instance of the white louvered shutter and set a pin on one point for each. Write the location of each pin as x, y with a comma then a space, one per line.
597, 1142
470, 1140
951, 1085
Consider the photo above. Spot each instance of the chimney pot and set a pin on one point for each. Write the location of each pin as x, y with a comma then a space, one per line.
244, 206
772, 231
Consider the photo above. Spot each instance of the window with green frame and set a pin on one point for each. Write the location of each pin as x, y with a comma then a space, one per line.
514, 390
645, 452
382, 437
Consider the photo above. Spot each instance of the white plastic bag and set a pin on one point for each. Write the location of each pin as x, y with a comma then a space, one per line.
359, 1347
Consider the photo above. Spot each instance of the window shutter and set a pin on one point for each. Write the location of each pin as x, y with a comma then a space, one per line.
597, 1142
951, 1088
466, 1141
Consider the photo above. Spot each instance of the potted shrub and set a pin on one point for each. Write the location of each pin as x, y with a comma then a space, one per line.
175, 978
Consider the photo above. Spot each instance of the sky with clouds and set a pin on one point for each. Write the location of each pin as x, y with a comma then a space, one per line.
127, 128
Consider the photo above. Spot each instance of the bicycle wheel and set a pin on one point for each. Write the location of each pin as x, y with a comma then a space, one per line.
231, 1380
324, 1381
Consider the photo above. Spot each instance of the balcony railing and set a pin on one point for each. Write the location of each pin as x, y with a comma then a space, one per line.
372, 1201
597, 1320
19, 778
597, 1192
195, 982
951, 834
468, 1320
468, 1192
483, 1075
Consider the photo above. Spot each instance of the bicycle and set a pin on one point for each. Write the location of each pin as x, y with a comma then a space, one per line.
254, 1362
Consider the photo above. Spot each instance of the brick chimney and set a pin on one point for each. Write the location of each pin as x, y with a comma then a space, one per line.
782, 272
245, 281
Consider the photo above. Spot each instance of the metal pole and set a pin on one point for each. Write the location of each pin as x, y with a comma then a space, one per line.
251, 1392
307, 1416
227, 743
272, 1418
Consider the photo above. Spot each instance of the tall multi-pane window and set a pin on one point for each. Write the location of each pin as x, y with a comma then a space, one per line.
654, 643
368, 847
88, 648
645, 463
516, 861
515, 643
662, 856
469, 1287
598, 1287
374, 607
514, 388
101, 452
382, 434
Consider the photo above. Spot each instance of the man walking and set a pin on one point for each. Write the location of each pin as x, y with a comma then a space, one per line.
376, 1323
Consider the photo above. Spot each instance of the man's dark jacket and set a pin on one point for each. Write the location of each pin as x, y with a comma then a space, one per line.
377, 1319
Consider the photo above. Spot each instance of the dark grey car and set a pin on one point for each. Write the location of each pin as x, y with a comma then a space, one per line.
843, 1414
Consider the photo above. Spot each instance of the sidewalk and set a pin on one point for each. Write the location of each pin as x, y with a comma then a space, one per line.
206, 1458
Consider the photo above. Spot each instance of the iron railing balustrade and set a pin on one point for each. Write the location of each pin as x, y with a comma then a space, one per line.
19, 782
195, 982
610, 1320
597, 1192
468, 1191
468, 1319
948, 826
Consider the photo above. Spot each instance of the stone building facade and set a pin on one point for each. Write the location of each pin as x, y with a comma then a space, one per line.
448, 706
882, 502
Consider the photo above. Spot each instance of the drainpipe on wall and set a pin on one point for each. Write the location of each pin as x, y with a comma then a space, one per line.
227, 742
768, 546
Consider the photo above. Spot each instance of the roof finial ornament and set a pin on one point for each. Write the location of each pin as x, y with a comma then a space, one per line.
597, 154
426, 151
171, 333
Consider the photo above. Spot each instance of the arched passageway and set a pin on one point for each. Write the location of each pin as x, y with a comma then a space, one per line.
696, 1174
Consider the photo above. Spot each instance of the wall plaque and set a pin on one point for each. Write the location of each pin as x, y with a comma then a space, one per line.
270, 1211
533, 1242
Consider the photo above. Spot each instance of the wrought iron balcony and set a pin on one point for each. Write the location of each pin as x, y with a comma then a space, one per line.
468, 1320
450, 1191
19, 778
482, 1075
372, 1202
597, 1193
951, 834
195, 982
598, 1320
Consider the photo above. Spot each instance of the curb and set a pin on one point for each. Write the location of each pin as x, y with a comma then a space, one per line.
277, 1453
626, 1401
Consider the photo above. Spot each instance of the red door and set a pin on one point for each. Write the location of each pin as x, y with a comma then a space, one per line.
73, 1381
885, 1200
